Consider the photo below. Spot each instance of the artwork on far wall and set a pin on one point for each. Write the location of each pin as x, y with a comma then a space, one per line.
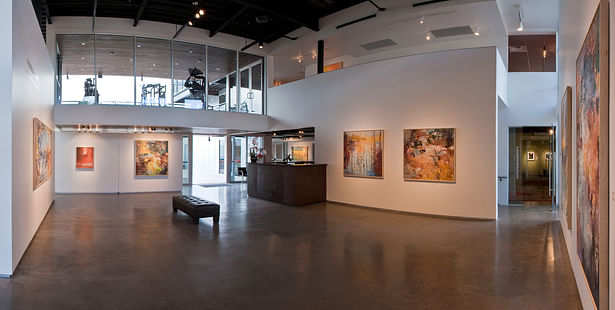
429, 154
531, 156
300, 153
363, 153
151, 158
42, 152
85, 157
566, 155
592, 99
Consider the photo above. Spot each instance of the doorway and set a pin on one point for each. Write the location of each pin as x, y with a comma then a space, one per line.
208, 160
531, 166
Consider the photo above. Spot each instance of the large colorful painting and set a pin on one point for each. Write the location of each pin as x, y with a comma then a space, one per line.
300, 153
151, 158
592, 156
566, 154
363, 153
429, 155
43, 153
85, 157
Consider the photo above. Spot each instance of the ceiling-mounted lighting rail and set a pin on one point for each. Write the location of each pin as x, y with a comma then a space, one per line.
377, 6
519, 18
355, 21
427, 3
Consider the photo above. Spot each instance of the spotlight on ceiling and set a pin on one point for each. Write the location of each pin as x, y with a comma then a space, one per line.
477, 31
422, 20
428, 36
202, 12
197, 15
260, 45
190, 23
519, 18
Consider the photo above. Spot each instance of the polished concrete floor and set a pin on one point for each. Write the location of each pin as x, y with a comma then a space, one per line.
130, 252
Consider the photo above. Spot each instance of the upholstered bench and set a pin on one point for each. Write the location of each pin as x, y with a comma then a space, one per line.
196, 208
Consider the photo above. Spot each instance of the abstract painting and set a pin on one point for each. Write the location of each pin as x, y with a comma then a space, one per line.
43, 153
85, 157
363, 153
429, 155
300, 153
151, 158
566, 154
592, 156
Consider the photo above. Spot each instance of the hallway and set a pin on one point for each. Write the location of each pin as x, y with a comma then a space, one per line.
264, 255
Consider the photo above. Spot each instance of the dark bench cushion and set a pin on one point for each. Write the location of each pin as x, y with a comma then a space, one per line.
196, 207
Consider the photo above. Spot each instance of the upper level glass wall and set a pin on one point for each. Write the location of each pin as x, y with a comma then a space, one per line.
115, 69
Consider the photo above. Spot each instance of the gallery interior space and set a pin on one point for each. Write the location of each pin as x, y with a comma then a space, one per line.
307, 154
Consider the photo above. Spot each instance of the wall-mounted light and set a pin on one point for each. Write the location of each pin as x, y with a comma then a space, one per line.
79, 128
544, 51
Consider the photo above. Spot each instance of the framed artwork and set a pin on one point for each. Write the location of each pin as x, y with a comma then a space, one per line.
334, 66
42, 153
548, 156
300, 153
531, 156
566, 157
151, 158
85, 157
429, 155
592, 125
363, 153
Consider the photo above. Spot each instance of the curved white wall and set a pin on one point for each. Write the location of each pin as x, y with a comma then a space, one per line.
444, 89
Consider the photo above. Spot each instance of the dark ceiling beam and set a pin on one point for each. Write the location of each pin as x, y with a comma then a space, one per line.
311, 24
228, 21
47, 13
140, 13
94, 14
180, 30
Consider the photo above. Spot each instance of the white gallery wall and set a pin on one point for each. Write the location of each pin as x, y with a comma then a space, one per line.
114, 164
420, 91
532, 101
575, 18
32, 96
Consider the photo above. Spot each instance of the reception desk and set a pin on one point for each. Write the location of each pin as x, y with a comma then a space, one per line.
288, 184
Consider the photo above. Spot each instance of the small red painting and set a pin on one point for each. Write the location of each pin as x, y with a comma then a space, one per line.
85, 157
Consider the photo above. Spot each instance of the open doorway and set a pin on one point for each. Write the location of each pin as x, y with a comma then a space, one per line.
531, 166
208, 160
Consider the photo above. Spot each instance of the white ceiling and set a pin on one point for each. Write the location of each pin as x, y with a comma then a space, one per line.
539, 16
400, 22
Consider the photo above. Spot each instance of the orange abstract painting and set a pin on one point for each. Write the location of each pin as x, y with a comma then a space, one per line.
429, 154
85, 157
363, 153
43, 152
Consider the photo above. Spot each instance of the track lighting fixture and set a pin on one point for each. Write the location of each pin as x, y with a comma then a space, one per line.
422, 20
428, 36
189, 23
197, 15
260, 45
544, 51
519, 18
202, 12
477, 31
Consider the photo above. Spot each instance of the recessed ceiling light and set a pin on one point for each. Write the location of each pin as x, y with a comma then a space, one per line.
138, 45
82, 58
190, 52
190, 22
428, 36
202, 12
217, 69
82, 43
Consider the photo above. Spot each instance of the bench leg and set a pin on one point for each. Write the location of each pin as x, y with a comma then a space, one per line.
195, 220
216, 219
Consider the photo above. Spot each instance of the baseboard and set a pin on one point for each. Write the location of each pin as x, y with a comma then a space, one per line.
450, 217
579, 276
115, 193
5, 276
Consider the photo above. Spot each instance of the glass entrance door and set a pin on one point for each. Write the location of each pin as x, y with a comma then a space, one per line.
531, 165
239, 151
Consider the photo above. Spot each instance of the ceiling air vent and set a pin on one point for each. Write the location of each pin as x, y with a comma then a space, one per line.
378, 44
451, 32
422, 3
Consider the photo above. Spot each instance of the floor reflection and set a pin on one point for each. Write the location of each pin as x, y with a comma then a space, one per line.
131, 252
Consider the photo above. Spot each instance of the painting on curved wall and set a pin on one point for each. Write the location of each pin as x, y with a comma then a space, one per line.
43, 153
151, 158
363, 153
429, 155
592, 156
